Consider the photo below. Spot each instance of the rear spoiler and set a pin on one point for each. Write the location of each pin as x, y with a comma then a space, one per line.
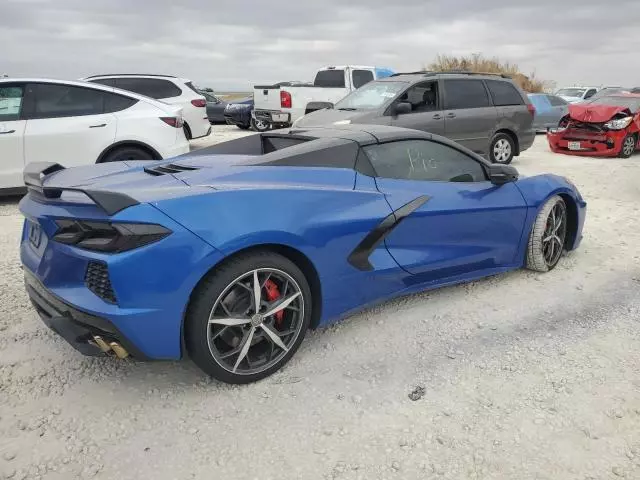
35, 174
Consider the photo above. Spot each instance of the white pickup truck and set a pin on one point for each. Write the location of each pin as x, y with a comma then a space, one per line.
279, 106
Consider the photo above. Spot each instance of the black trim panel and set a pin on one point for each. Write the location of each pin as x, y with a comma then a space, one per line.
359, 257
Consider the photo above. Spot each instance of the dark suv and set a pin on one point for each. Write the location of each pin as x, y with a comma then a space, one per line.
486, 113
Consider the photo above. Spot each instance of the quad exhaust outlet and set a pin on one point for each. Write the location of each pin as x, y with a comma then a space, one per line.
114, 347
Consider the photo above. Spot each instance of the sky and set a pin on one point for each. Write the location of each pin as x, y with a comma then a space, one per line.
232, 45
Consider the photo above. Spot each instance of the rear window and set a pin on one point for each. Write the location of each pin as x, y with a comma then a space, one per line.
361, 77
116, 103
540, 102
329, 79
504, 93
157, 88
464, 93
556, 101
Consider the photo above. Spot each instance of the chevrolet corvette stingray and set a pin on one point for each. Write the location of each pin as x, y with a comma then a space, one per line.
230, 254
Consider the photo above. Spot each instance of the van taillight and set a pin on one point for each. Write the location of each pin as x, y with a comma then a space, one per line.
199, 102
285, 99
531, 108
175, 122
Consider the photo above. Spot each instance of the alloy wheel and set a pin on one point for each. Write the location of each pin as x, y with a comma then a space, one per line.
554, 234
255, 321
629, 146
502, 151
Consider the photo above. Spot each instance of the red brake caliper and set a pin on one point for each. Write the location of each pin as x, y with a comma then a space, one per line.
273, 293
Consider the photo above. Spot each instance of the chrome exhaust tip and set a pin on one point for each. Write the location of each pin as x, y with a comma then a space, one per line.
102, 345
118, 350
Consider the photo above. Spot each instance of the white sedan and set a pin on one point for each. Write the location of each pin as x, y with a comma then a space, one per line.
78, 123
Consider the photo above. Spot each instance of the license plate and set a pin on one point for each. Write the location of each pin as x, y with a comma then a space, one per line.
279, 117
574, 146
35, 234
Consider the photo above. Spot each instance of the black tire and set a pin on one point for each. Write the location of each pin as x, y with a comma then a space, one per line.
546, 241
260, 126
629, 145
502, 149
244, 127
207, 344
187, 131
121, 154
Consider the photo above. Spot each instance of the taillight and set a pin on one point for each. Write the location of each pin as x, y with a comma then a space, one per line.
199, 102
285, 99
175, 122
108, 237
531, 108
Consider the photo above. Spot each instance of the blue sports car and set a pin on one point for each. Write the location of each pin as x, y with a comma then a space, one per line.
230, 254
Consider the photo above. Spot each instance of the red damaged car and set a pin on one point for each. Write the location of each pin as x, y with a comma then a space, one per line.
608, 127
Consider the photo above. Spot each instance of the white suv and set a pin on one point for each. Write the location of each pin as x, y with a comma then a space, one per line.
171, 90
79, 123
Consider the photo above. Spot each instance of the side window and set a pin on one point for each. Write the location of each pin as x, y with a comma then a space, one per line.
504, 93
424, 160
110, 82
116, 103
463, 93
556, 101
423, 97
360, 77
151, 87
541, 102
590, 93
10, 102
55, 101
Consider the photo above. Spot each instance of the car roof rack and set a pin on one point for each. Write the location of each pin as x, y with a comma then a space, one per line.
130, 75
431, 73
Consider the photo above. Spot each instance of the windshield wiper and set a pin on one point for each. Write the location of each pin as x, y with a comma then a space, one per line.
347, 109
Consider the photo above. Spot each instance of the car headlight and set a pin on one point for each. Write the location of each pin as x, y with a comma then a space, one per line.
342, 122
619, 123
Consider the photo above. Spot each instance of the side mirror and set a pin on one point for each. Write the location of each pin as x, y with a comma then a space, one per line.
401, 108
500, 174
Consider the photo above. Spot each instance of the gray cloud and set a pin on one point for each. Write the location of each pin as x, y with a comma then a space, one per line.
236, 44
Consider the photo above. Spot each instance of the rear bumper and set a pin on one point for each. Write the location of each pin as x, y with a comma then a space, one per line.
606, 144
526, 139
272, 116
78, 328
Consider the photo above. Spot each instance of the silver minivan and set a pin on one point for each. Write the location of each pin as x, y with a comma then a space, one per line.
489, 114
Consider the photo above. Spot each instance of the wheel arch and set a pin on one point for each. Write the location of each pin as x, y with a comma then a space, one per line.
296, 256
129, 143
572, 220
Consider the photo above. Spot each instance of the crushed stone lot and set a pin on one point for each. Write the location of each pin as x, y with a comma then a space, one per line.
519, 376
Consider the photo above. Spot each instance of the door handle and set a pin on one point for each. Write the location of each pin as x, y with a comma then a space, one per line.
8, 131
98, 126
451, 115
437, 116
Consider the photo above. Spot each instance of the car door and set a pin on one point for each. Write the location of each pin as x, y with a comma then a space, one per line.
559, 108
426, 111
11, 134
66, 124
454, 222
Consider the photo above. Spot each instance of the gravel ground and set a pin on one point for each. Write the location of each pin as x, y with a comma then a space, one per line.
521, 376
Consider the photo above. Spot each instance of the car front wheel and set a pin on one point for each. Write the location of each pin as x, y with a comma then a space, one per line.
502, 149
248, 317
628, 146
547, 237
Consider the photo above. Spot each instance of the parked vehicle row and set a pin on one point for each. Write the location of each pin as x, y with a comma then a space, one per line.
281, 105
549, 110
488, 114
79, 123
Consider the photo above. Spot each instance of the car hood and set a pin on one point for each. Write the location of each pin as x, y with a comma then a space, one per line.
590, 113
328, 116
570, 99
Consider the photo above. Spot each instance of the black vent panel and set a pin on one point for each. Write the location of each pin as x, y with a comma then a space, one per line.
97, 280
169, 169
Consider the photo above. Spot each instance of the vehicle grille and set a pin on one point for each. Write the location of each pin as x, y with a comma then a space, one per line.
97, 280
168, 169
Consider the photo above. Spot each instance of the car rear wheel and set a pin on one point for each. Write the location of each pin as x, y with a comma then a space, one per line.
546, 241
260, 125
248, 317
628, 146
502, 149
122, 154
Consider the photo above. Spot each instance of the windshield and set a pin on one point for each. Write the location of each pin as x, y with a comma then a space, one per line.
632, 103
371, 96
571, 92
